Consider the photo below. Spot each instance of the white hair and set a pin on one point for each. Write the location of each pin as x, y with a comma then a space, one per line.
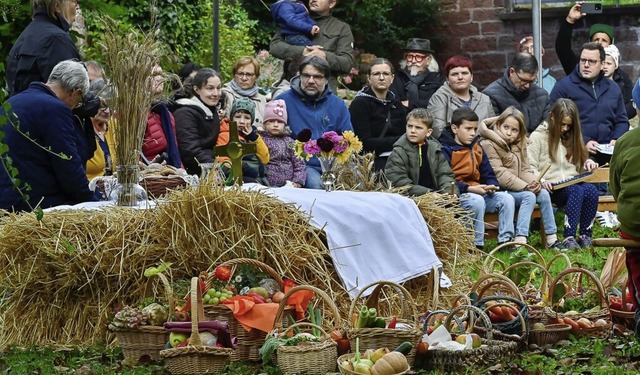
70, 75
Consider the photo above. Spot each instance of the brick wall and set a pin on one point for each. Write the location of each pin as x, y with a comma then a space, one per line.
484, 31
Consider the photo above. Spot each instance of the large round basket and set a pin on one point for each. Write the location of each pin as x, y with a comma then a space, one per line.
159, 186
145, 341
374, 338
601, 313
346, 371
196, 358
248, 341
492, 351
551, 334
515, 330
319, 358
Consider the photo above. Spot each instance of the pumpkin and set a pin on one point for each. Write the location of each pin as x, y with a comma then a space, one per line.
390, 364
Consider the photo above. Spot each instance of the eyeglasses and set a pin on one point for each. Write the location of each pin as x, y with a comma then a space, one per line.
588, 62
316, 77
381, 74
526, 81
245, 75
415, 57
104, 109
81, 103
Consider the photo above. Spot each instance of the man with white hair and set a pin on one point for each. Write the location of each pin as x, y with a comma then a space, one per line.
47, 145
420, 78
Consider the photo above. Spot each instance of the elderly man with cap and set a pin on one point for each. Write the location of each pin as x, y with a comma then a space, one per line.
420, 79
599, 33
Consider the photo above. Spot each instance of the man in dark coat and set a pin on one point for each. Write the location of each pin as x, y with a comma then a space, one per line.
518, 88
420, 79
44, 43
45, 142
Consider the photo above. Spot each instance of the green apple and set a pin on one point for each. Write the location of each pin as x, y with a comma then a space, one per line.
176, 338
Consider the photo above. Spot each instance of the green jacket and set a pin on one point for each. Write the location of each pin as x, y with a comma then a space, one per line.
624, 181
403, 167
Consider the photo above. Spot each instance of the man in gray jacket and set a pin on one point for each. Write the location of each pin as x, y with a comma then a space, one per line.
518, 87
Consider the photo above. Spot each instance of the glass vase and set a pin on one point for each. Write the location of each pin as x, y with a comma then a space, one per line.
128, 191
328, 176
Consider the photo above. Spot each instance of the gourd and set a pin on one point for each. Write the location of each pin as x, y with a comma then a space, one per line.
390, 363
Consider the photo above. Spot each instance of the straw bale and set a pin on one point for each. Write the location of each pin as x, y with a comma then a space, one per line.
64, 275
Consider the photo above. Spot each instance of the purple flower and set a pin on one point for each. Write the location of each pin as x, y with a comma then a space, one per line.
311, 148
333, 137
340, 146
304, 135
325, 145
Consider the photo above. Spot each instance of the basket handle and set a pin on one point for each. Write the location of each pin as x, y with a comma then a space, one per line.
283, 304
546, 276
518, 314
472, 309
373, 299
582, 272
498, 279
491, 258
256, 263
556, 257
446, 312
168, 291
197, 312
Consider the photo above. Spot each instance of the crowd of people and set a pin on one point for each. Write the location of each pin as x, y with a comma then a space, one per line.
428, 127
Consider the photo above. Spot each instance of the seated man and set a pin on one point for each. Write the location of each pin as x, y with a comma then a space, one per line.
475, 177
417, 161
47, 145
311, 105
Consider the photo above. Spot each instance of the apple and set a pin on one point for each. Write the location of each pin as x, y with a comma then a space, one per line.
538, 326
476, 340
176, 338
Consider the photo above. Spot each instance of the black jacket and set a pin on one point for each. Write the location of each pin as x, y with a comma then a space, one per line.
197, 129
43, 44
426, 88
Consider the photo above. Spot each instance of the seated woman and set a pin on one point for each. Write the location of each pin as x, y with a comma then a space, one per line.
197, 120
160, 135
457, 91
246, 72
101, 162
558, 141
378, 118
504, 140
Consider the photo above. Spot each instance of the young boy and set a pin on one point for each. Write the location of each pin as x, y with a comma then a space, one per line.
417, 161
292, 16
475, 177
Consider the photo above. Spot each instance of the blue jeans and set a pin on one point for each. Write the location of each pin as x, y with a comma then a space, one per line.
499, 202
298, 40
313, 177
526, 201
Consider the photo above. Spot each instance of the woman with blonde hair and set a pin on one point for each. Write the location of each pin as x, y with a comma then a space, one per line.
504, 140
558, 141
246, 72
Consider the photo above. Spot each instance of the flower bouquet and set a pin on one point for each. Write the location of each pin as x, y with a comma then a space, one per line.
330, 148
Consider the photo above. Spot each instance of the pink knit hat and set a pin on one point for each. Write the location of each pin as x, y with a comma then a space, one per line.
275, 110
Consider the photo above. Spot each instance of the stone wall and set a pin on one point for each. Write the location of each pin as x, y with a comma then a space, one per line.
487, 33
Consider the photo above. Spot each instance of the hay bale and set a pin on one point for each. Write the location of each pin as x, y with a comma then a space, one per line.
72, 268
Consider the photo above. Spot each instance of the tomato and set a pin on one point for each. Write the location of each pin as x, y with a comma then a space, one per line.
615, 302
222, 273
423, 347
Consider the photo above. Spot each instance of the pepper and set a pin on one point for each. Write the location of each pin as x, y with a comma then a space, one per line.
392, 323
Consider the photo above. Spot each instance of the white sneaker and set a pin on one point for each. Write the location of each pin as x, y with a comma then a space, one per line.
604, 219
613, 218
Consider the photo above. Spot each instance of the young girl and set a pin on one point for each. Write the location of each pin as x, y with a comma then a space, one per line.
558, 141
505, 143
243, 113
285, 167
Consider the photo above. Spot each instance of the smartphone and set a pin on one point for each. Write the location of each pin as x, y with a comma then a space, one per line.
591, 8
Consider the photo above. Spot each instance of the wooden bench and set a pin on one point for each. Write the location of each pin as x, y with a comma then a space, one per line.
605, 202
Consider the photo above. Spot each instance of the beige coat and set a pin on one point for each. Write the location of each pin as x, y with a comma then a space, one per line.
510, 163
538, 151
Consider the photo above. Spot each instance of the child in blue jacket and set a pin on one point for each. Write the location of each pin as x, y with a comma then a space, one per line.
294, 21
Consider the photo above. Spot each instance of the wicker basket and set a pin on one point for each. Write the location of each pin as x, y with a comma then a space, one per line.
515, 330
158, 186
348, 357
248, 341
624, 318
603, 313
196, 358
490, 261
374, 338
495, 284
551, 334
146, 341
536, 311
319, 358
492, 353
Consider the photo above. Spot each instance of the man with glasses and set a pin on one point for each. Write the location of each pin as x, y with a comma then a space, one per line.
420, 78
603, 117
518, 87
334, 42
311, 105
47, 145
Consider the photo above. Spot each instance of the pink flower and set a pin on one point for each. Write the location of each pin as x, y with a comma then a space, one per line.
311, 148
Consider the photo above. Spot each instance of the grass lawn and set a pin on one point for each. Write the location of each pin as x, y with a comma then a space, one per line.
617, 355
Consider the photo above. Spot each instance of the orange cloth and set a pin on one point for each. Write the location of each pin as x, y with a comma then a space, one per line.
262, 315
